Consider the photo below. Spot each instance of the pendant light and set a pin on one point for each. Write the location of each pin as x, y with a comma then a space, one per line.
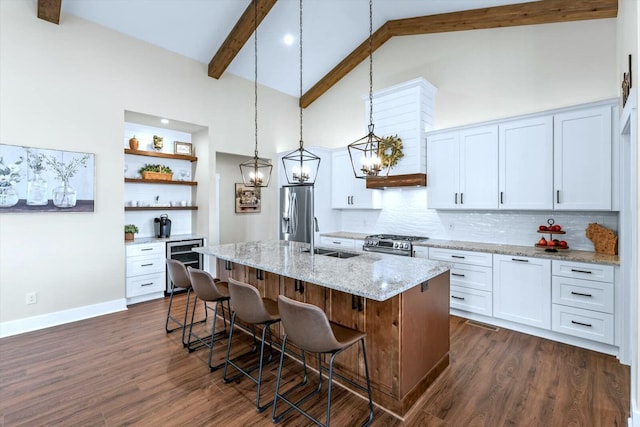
256, 172
366, 152
301, 166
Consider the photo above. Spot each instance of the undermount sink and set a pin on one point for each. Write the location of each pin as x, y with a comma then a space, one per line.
341, 254
333, 254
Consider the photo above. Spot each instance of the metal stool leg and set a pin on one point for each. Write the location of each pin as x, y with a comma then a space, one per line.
366, 371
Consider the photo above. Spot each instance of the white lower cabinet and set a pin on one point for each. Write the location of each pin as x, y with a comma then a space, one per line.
338, 242
470, 277
522, 290
145, 271
583, 300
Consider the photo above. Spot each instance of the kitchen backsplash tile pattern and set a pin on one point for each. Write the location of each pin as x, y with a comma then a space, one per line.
405, 212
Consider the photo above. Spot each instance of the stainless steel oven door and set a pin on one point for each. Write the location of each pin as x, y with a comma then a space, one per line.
389, 251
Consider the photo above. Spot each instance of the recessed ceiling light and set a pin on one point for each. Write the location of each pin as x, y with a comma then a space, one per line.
164, 121
288, 39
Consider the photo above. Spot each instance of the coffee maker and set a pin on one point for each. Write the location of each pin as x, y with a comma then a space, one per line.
162, 226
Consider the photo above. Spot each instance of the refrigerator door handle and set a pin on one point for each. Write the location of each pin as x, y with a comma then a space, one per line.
293, 213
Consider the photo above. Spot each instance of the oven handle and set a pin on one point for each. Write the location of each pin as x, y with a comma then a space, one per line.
391, 252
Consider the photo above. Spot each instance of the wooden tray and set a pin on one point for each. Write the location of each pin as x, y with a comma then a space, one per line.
562, 248
552, 232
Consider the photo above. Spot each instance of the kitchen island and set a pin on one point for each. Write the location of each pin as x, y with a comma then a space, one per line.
401, 303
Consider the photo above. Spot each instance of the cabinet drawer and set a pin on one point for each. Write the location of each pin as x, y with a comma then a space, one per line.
582, 270
471, 276
461, 257
146, 284
145, 265
148, 249
582, 323
580, 293
471, 300
337, 242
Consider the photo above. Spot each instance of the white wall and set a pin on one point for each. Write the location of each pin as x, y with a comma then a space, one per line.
480, 75
67, 87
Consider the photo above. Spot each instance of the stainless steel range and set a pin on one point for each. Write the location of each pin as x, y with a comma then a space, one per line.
391, 244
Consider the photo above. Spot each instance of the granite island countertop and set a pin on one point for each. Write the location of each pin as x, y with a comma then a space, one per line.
370, 275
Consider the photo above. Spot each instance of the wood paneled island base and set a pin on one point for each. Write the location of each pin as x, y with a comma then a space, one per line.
407, 334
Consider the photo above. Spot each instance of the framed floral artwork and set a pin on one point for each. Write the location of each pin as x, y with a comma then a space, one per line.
44, 180
247, 199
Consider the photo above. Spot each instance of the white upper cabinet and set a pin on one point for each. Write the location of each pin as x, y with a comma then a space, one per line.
479, 168
443, 166
526, 164
347, 191
582, 159
463, 169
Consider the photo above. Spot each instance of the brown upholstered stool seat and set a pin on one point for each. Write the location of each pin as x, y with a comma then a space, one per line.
308, 327
209, 290
249, 307
180, 280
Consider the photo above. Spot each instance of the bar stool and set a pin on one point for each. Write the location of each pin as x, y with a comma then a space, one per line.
208, 289
179, 280
308, 328
251, 308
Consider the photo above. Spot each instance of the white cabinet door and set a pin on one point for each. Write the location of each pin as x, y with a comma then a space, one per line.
420, 252
526, 164
582, 159
479, 168
522, 290
443, 171
347, 191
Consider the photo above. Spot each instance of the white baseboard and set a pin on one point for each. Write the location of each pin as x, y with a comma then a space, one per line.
634, 419
20, 326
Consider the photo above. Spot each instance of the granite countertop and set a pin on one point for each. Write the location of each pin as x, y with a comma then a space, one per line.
175, 238
370, 275
528, 251
496, 248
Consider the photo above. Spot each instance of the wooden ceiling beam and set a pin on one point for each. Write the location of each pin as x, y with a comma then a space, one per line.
532, 13
49, 10
238, 37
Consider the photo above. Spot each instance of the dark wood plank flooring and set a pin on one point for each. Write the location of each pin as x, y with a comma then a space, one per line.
122, 369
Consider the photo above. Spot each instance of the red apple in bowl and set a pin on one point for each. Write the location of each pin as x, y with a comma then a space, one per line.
542, 242
543, 228
563, 244
556, 227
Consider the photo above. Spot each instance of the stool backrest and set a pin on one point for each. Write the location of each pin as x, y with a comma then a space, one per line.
307, 326
204, 285
178, 274
247, 302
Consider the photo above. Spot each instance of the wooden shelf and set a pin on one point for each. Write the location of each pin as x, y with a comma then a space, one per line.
161, 208
161, 155
159, 181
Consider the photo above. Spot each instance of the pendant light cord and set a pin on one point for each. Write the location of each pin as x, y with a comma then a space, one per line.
255, 71
300, 43
370, 66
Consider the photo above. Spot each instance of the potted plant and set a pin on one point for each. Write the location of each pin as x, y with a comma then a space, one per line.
160, 172
129, 231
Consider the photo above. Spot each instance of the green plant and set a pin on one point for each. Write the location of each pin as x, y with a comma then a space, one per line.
130, 228
155, 168
393, 152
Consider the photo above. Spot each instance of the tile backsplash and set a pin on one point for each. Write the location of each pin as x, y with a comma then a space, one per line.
406, 212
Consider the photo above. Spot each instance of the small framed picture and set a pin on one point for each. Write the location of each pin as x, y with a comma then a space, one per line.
183, 148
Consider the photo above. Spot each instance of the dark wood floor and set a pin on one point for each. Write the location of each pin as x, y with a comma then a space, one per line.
122, 369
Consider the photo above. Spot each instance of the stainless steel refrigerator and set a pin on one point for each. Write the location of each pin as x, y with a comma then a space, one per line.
296, 213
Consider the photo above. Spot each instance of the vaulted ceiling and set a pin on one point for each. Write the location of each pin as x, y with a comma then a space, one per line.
335, 32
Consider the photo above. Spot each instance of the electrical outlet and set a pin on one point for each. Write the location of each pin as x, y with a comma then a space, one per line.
31, 298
